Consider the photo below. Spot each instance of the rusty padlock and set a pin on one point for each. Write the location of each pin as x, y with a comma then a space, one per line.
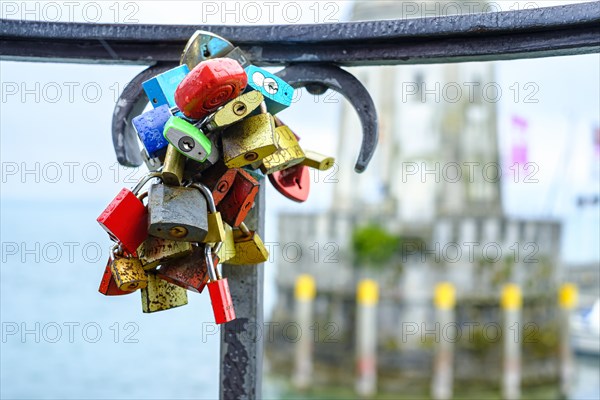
127, 271
161, 295
108, 285
234, 191
155, 251
189, 272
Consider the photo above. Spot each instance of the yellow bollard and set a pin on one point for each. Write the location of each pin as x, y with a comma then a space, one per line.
305, 289
444, 298
305, 292
567, 301
567, 296
368, 292
367, 296
512, 302
511, 297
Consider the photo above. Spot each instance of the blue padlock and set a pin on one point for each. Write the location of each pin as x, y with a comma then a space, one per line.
161, 89
149, 127
277, 92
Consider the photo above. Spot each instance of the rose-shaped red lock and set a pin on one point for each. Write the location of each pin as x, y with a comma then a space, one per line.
211, 84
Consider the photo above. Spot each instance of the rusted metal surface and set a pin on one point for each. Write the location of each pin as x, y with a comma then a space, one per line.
155, 251
161, 295
128, 273
189, 272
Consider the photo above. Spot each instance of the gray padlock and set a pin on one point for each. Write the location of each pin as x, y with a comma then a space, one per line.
177, 213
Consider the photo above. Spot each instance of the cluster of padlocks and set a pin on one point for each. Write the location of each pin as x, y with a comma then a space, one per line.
208, 142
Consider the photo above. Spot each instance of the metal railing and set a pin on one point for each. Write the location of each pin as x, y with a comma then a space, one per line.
544, 32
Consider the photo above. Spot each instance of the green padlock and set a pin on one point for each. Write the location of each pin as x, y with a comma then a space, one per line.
187, 139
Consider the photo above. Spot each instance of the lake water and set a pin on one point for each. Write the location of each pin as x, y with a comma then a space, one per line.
62, 339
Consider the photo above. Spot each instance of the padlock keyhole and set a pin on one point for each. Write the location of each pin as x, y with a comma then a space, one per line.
239, 108
186, 144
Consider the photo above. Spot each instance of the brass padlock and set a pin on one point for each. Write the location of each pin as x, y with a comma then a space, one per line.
234, 111
249, 140
249, 247
289, 153
154, 251
128, 272
161, 295
317, 161
174, 164
216, 230
226, 250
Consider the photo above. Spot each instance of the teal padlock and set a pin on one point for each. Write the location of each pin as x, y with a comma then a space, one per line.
278, 93
187, 139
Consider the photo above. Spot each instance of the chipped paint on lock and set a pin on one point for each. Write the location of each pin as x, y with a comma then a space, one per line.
128, 273
155, 251
161, 295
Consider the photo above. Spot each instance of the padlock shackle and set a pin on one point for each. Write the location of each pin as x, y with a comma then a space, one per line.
210, 200
143, 195
244, 228
263, 108
117, 250
210, 266
145, 180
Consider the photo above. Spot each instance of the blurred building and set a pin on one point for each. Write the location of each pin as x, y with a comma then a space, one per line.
434, 179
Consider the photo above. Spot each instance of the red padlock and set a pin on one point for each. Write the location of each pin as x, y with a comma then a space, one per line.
293, 182
108, 286
234, 191
126, 218
190, 272
218, 289
239, 200
219, 179
211, 84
